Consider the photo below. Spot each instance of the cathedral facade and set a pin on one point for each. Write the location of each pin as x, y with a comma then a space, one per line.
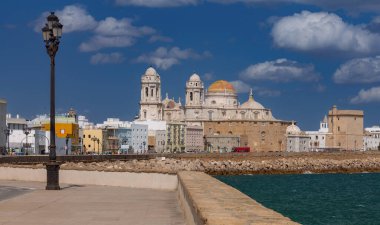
218, 102
212, 107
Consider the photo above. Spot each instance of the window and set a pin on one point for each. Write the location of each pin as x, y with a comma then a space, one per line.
89, 136
151, 92
146, 92
191, 96
210, 115
338, 128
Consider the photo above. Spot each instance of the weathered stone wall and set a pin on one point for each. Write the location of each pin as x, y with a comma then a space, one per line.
133, 180
258, 135
206, 200
345, 129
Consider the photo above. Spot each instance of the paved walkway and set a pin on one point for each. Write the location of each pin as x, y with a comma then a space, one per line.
88, 205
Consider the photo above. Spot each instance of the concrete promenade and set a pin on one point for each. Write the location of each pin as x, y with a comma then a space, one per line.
88, 205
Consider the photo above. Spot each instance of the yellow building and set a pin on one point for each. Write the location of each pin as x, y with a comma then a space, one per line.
65, 127
346, 129
94, 141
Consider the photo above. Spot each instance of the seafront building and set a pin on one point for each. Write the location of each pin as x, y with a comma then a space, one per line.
318, 138
296, 140
371, 140
66, 129
216, 110
124, 136
30, 137
346, 129
3, 127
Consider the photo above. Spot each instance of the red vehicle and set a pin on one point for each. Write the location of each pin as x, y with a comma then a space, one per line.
241, 149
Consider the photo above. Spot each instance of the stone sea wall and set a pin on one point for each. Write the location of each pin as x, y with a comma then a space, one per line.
237, 165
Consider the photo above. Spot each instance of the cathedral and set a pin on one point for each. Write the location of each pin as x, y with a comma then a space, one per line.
218, 102
217, 111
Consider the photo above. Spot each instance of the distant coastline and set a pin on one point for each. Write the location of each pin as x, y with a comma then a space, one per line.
236, 164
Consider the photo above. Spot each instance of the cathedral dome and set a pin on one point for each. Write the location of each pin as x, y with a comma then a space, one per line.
251, 103
293, 129
195, 77
151, 72
221, 86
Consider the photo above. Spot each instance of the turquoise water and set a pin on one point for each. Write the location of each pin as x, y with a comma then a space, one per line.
312, 199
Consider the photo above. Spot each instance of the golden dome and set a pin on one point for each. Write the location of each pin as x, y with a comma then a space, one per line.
221, 86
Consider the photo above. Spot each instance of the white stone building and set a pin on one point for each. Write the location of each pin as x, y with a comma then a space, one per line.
3, 127
371, 140
297, 141
194, 139
318, 138
218, 102
129, 134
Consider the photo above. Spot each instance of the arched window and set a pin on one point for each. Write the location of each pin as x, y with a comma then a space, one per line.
146, 92
151, 92
191, 96
144, 114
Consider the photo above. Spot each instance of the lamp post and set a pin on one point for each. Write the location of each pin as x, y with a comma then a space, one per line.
97, 140
94, 139
8, 132
67, 144
81, 145
52, 32
26, 132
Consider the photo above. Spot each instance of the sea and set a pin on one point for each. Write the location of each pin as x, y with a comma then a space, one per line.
312, 199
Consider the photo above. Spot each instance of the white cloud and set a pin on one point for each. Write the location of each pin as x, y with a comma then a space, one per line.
243, 87
353, 6
72, 17
165, 58
240, 86
123, 27
112, 58
266, 92
307, 31
111, 32
208, 76
360, 70
156, 3
156, 38
281, 70
367, 96
100, 42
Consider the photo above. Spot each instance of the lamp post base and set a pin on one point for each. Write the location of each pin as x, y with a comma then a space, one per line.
52, 171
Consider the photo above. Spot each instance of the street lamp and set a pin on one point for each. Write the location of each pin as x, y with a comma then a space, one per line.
7, 132
52, 32
94, 139
81, 145
97, 140
26, 132
67, 144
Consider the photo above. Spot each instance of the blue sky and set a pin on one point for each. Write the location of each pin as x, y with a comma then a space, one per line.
299, 56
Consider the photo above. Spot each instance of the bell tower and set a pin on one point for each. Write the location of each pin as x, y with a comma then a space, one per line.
194, 91
150, 102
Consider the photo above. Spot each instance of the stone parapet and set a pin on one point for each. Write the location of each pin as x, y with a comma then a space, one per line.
206, 200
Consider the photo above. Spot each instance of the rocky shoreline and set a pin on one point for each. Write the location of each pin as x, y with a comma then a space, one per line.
234, 166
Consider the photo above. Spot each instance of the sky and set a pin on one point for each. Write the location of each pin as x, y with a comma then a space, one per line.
300, 57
